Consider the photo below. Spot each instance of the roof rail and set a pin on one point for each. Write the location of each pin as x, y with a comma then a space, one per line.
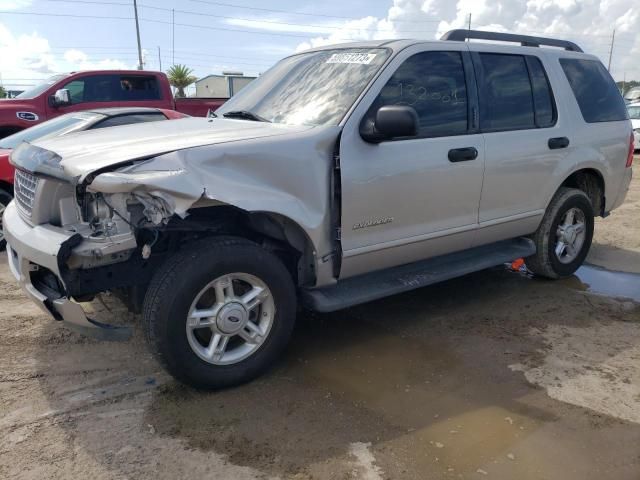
461, 35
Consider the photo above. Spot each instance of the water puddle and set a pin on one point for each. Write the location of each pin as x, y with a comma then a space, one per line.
598, 280
609, 283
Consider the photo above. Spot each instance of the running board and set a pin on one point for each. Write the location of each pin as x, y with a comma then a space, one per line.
372, 286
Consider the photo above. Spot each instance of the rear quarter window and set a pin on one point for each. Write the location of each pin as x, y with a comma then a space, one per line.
596, 92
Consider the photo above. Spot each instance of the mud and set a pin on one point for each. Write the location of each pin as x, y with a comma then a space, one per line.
494, 375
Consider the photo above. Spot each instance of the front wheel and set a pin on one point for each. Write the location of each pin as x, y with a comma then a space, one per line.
564, 237
220, 312
5, 198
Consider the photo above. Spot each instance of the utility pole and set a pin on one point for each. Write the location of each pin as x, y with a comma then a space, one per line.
469, 27
159, 58
173, 36
613, 38
135, 10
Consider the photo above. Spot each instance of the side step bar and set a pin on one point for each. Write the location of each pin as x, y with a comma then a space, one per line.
375, 285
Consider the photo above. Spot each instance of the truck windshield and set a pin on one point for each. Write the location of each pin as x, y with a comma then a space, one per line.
38, 89
51, 128
315, 88
634, 112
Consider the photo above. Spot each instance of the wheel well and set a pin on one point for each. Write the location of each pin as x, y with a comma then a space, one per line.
7, 187
277, 233
6, 131
590, 181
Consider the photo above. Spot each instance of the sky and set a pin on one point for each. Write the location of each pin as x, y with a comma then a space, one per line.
39, 38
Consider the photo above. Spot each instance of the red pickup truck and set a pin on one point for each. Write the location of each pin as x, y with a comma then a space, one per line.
96, 89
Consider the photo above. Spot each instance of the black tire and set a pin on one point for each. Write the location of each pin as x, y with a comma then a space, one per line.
177, 283
5, 198
545, 262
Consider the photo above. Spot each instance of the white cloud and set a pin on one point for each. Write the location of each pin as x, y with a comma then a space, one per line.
26, 59
277, 25
589, 24
75, 56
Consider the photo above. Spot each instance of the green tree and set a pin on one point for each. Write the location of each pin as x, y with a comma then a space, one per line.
180, 77
3, 92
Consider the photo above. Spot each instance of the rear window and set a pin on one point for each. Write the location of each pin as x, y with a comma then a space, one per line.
138, 87
596, 92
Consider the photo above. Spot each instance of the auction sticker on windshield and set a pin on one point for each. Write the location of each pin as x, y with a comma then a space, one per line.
359, 58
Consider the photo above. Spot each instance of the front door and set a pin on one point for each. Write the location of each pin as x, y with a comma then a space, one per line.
412, 198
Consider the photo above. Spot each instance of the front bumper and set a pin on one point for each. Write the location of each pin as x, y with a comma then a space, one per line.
30, 249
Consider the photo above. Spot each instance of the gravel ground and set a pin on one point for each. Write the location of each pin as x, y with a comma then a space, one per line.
494, 375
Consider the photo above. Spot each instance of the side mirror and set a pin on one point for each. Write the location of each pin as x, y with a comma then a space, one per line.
61, 98
391, 121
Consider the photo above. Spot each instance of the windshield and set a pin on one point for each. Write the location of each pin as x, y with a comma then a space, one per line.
38, 89
634, 112
315, 88
52, 128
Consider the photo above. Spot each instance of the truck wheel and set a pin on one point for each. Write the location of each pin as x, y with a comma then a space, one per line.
5, 198
220, 312
564, 237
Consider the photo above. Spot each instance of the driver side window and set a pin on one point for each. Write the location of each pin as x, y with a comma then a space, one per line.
94, 88
76, 90
433, 83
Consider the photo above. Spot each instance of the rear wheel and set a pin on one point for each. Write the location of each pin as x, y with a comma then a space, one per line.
5, 198
564, 237
219, 313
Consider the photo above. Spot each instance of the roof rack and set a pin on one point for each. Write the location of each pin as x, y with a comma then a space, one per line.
461, 35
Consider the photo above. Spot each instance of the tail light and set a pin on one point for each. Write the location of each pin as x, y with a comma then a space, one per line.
630, 156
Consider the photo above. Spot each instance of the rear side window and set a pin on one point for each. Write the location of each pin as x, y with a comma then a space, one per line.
507, 94
433, 83
129, 119
545, 112
596, 92
138, 87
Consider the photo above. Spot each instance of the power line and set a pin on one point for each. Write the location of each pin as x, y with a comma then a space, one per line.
178, 52
220, 4
244, 19
205, 27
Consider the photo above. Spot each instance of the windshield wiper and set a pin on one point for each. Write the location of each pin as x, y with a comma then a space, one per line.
245, 115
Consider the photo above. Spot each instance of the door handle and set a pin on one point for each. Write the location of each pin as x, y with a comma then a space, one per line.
463, 154
558, 142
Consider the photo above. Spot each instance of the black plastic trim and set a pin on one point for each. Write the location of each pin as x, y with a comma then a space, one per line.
461, 35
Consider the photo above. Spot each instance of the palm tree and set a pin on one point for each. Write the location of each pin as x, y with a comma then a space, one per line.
180, 77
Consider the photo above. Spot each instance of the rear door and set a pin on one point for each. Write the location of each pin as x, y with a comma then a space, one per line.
404, 199
526, 140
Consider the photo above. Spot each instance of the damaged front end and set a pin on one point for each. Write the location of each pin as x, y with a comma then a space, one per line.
87, 224
68, 241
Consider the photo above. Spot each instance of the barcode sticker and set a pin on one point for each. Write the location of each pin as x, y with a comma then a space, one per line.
358, 58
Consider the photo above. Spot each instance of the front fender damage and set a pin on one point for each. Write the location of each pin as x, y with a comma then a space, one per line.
288, 176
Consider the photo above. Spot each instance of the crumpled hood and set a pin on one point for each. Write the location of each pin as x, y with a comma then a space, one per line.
86, 152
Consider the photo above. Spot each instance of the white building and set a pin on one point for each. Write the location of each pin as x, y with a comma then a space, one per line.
222, 86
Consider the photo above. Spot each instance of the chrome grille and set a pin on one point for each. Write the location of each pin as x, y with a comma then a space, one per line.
24, 190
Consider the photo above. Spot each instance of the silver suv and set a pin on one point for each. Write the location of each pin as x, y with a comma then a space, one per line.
342, 175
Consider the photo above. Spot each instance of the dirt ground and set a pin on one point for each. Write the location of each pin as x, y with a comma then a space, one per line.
494, 375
